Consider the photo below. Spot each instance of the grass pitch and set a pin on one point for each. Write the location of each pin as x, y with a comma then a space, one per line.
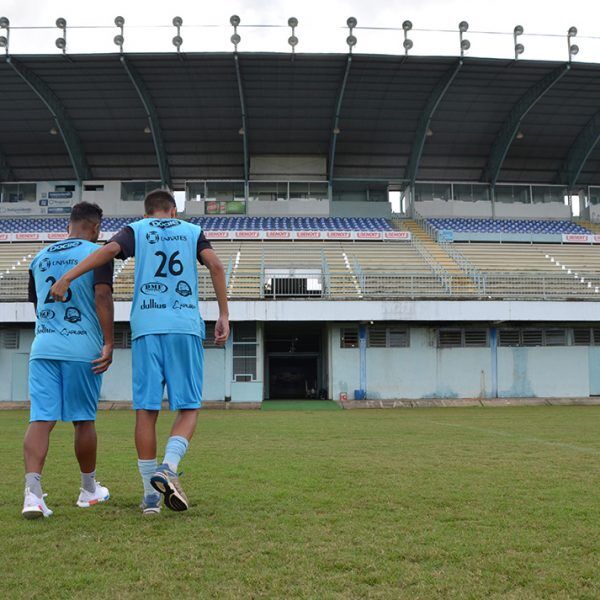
419, 503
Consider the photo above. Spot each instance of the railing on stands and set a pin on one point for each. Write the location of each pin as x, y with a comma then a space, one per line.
341, 285
442, 275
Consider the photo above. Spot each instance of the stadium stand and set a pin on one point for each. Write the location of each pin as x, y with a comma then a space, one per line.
541, 226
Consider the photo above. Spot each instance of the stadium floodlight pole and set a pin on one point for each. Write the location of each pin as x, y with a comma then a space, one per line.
178, 40
465, 44
407, 44
236, 38
351, 40
5, 39
293, 39
519, 48
573, 48
119, 39
61, 42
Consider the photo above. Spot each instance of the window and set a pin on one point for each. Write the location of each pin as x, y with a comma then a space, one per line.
10, 339
582, 336
537, 336
463, 338
349, 337
555, 337
387, 336
122, 337
244, 352
532, 337
509, 337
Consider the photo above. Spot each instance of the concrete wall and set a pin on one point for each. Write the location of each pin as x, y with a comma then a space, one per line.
483, 209
288, 208
341, 208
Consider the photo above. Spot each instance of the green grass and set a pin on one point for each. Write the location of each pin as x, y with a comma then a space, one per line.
417, 503
300, 405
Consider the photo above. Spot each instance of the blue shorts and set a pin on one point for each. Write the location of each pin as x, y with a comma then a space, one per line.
63, 390
174, 359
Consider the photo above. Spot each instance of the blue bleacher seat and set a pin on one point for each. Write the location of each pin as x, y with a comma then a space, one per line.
537, 226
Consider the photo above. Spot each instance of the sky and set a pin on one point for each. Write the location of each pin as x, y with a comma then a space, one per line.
148, 25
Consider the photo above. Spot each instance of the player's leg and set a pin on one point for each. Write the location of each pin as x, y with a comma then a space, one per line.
45, 395
148, 386
184, 386
81, 391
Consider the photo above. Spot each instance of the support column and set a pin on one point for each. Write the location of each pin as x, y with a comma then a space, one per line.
228, 366
494, 355
362, 347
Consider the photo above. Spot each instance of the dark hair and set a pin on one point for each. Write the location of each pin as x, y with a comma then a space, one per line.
158, 200
86, 211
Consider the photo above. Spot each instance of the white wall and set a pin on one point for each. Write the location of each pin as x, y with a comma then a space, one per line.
483, 209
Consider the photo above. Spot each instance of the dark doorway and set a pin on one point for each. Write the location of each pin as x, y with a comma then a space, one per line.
294, 366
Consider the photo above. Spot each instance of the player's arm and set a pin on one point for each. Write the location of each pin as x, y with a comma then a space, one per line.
31, 291
95, 260
103, 278
214, 265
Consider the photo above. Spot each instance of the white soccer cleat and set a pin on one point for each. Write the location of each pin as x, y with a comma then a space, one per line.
35, 507
87, 499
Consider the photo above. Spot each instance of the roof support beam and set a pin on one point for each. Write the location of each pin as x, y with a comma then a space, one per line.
62, 119
155, 128
335, 130
6, 173
511, 125
579, 152
244, 131
433, 102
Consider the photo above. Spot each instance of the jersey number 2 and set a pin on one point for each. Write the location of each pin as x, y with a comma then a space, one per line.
49, 299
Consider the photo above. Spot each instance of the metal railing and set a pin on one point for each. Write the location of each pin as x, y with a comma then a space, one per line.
341, 285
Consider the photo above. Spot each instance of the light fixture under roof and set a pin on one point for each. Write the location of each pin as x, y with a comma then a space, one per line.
147, 129
520, 135
53, 131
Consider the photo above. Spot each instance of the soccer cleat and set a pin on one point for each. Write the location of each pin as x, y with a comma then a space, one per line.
34, 507
151, 504
167, 483
87, 499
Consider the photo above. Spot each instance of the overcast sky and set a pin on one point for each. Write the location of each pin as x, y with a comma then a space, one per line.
321, 29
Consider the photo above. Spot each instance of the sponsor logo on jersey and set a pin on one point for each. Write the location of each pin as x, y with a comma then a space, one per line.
44, 329
45, 264
164, 223
180, 305
152, 237
153, 287
66, 331
61, 246
174, 238
183, 289
73, 315
148, 304
46, 314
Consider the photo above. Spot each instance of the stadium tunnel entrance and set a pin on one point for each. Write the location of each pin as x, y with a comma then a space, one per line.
295, 365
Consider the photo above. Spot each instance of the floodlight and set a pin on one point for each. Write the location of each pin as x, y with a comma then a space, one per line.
465, 45
4, 23
463, 26
61, 43
235, 20
177, 21
573, 49
408, 44
293, 41
119, 40
177, 41
119, 21
407, 25
293, 22
572, 31
3, 42
519, 49
235, 39
518, 30
351, 22
351, 40
61, 23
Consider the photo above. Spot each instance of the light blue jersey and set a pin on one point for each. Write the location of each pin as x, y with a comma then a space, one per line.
165, 297
65, 330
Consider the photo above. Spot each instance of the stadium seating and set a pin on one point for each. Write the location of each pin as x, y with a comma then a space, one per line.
59, 224
537, 226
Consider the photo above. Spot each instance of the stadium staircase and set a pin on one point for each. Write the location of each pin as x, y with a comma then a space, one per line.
593, 227
462, 278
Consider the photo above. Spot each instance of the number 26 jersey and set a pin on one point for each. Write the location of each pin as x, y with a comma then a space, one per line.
165, 296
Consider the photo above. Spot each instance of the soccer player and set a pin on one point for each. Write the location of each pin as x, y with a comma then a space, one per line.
167, 332
73, 346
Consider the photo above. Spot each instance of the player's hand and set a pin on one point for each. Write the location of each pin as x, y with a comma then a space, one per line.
105, 360
59, 290
221, 331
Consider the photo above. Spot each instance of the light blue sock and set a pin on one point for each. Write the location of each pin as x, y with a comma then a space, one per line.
147, 468
176, 448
